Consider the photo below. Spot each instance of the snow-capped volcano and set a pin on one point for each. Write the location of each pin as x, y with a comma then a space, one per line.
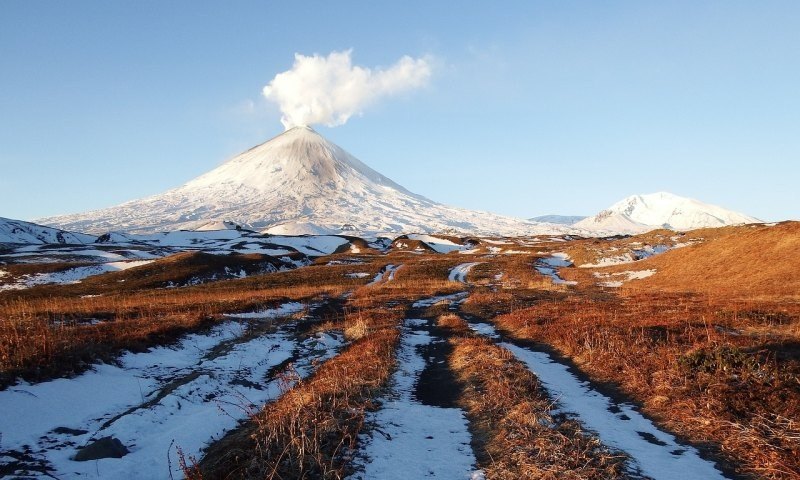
296, 183
639, 213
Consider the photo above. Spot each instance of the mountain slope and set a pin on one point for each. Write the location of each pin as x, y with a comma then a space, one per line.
19, 232
295, 182
640, 213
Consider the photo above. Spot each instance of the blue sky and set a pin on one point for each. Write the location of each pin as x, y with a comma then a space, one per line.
532, 108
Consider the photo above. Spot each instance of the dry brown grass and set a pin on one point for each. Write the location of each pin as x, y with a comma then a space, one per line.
517, 436
709, 346
453, 323
421, 275
755, 262
590, 251
45, 332
692, 364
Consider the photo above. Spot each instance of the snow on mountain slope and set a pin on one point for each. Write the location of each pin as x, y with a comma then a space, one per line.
640, 213
558, 219
298, 181
17, 231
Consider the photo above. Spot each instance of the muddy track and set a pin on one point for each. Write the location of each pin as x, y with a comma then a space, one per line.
419, 430
437, 385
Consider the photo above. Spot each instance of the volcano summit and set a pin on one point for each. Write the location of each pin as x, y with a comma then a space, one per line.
296, 183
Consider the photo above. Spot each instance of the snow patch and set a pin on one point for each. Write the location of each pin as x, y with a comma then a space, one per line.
626, 276
549, 266
186, 396
459, 272
72, 275
284, 310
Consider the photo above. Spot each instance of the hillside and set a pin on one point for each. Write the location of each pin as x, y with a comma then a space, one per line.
754, 261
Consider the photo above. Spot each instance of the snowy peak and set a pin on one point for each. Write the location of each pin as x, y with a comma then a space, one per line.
639, 213
297, 182
298, 156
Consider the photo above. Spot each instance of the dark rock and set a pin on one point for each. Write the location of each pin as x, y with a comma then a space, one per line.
106, 447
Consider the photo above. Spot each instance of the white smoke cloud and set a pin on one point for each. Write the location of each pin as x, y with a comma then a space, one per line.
329, 90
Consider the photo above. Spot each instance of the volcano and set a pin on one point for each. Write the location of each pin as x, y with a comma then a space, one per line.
640, 213
296, 183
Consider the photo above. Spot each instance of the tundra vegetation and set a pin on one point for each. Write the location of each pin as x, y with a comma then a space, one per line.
706, 345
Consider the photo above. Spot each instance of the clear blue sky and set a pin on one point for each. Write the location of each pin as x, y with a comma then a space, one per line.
533, 108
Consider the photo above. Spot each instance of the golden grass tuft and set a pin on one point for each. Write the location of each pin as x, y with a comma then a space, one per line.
453, 323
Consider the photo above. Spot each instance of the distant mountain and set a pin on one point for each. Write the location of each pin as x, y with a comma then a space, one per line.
558, 219
17, 231
296, 183
640, 213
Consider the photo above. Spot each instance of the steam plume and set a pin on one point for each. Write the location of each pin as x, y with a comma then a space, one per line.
329, 90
